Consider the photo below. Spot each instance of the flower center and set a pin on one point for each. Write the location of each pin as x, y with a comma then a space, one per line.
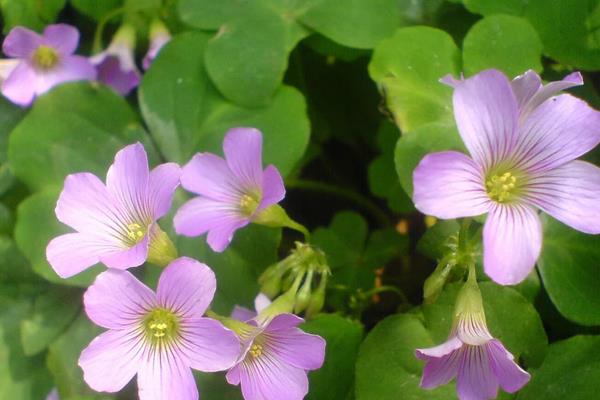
45, 57
248, 204
501, 187
256, 350
161, 325
135, 233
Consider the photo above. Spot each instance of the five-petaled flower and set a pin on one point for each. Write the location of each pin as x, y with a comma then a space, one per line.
479, 362
275, 358
523, 141
232, 190
159, 336
116, 222
44, 61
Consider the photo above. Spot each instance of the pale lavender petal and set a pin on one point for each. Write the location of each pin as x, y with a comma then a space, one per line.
187, 287
453, 343
112, 72
127, 181
296, 347
440, 370
128, 257
476, 380
117, 300
233, 375
512, 240
243, 152
53, 395
558, 131
164, 375
525, 86
451, 81
261, 301
7, 66
273, 190
19, 87
209, 175
21, 42
449, 185
272, 380
549, 90
71, 68
570, 193
486, 112
242, 313
163, 182
62, 37
156, 44
86, 206
283, 321
200, 214
510, 376
74, 252
207, 345
111, 360
221, 236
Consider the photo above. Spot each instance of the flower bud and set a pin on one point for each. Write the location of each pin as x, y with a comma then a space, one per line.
161, 250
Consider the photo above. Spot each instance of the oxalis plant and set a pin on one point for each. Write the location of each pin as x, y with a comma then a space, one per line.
286, 200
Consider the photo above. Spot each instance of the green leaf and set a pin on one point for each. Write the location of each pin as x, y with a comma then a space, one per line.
386, 367
33, 14
252, 250
510, 318
96, 9
569, 269
571, 370
64, 353
434, 243
207, 14
568, 29
14, 268
334, 380
407, 67
52, 312
36, 226
247, 58
489, 7
415, 145
187, 114
10, 115
504, 42
354, 23
75, 127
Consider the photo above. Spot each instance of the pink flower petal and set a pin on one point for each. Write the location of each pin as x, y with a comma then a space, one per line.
525, 86
71, 68
221, 236
510, 376
208, 345
21, 42
476, 379
111, 360
512, 240
441, 350
128, 257
571, 194
440, 370
74, 252
545, 92
243, 152
296, 347
164, 375
187, 287
62, 37
486, 112
127, 181
164, 180
449, 185
19, 86
117, 300
272, 380
242, 313
273, 190
116, 73
558, 131
209, 175
283, 322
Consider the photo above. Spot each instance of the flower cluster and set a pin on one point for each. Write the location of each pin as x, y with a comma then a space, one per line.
161, 336
41, 61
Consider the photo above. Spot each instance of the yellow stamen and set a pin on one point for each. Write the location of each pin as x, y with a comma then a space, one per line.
256, 350
248, 204
45, 57
135, 233
161, 324
501, 187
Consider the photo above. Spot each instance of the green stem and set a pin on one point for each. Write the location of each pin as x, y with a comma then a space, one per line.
298, 227
387, 288
359, 199
97, 44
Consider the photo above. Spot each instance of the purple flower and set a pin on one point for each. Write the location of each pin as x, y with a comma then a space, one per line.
116, 64
232, 190
275, 359
159, 36
158, 336
479, 362
243, 314
522, 140
116, 222
45, 61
